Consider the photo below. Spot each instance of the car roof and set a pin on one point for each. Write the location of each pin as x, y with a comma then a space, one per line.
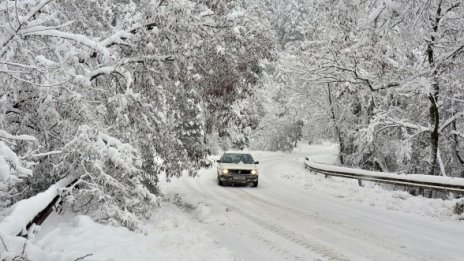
236, 152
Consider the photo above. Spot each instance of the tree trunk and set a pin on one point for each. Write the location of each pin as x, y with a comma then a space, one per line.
337, 130
434, 112
434, 135
455, 145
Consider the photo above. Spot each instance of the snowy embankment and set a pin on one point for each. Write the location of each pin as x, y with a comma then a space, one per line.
371, 194
170, 234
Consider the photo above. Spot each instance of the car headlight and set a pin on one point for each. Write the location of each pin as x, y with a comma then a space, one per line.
254, 172
225, 171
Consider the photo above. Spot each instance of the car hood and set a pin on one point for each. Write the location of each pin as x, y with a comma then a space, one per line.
236, 166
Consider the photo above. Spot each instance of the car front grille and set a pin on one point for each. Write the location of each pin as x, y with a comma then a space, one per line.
240, 171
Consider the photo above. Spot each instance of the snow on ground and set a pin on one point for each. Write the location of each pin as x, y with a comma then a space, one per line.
292, 215
171, 234
371, 194
296, 215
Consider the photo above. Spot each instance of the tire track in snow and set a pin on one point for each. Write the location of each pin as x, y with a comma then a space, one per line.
337, 227
314, 246
272, 246
252, 232
314, 217
224, 196
329, 226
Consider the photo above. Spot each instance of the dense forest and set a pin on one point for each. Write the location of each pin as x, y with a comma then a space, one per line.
381, 78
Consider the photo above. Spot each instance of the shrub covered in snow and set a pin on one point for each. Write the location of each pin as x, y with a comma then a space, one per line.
110, 187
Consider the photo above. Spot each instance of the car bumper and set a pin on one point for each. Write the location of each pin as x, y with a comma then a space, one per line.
239, 178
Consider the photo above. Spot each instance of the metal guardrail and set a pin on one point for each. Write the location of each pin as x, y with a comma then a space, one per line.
433, 185
42, 215
34, 210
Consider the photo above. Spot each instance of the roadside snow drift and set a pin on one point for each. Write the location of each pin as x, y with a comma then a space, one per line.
170, 235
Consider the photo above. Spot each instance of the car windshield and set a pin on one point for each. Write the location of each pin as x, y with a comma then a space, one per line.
237, 158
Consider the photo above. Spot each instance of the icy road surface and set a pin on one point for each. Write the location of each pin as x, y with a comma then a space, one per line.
280, 220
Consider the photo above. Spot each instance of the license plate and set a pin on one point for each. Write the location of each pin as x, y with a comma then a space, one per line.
239, 178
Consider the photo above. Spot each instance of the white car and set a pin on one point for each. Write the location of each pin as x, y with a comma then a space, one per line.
237, 167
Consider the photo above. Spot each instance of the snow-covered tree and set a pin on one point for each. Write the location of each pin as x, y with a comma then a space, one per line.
121, 93
392, 68
289, 19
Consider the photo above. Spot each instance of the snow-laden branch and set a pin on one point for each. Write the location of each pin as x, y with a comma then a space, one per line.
25, 66
162, 58
407, 125
33, 11
37, 84
458, 133
22, 20
453, 53
357, 75
9, 158
103, 70
38, 27
45, 154
6, 135
74, 37
119, 69
119, 37
112, 69
12, 72
451, 120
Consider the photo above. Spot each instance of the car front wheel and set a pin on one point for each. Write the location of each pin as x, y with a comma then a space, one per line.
255, 184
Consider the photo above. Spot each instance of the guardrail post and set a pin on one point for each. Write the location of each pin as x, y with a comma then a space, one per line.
360, 183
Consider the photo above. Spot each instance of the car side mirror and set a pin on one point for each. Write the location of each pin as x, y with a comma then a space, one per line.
256, 162
306, 158
218, 161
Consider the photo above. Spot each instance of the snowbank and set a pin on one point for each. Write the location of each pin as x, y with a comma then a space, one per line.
169, 235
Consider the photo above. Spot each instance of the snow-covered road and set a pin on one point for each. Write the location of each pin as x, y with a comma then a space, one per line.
280, 220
